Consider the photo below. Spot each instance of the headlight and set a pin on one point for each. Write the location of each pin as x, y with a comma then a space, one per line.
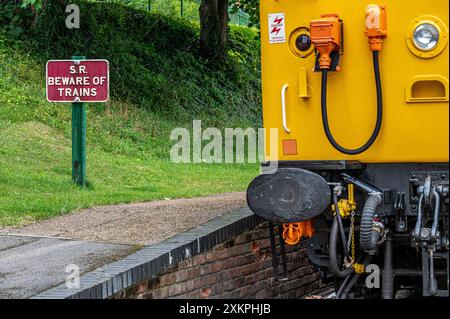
303, 42
300, 42
426, 37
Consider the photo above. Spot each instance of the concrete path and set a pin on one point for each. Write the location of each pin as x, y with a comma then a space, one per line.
141, 223
34, 258
30, 265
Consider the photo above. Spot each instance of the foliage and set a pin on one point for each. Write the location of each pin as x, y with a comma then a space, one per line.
14, 20
251, 7
158, 83
173, 8
155, 62
37, 4
170, 8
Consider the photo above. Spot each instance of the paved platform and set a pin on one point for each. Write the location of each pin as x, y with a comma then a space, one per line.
34, 258
140, 223
150, 261
30, 265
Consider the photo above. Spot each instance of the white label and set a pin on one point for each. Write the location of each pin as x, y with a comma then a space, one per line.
373, 17
277, 32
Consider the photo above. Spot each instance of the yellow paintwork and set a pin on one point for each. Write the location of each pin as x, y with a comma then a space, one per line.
411, 132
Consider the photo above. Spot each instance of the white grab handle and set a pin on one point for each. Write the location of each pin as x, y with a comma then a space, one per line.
283, 107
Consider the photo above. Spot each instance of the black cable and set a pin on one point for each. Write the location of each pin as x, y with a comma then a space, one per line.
341, 226
343, 284
354, 279
334, 267
376, 68
349, 278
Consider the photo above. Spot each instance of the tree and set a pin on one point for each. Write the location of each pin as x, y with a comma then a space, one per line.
214, 25
213, 29
36, 6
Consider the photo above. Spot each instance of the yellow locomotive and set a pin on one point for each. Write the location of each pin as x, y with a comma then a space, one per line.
359, 94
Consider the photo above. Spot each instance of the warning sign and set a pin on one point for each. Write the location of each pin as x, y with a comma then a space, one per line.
77, 81
277, 32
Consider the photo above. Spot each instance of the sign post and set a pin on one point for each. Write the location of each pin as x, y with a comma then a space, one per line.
78, 81
79, 139
79, 143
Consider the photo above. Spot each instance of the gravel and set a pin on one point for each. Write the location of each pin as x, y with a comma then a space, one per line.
140, 223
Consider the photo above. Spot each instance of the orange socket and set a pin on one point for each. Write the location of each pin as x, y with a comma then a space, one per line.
326, 37
294, 232
376, 26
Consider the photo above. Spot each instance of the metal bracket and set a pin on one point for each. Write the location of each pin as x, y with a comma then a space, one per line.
275, 257
401, 221
370, 189
428, 265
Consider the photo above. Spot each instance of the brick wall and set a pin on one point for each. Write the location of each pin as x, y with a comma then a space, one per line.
238, 268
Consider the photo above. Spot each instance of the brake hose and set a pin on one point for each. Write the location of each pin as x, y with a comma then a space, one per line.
376, 68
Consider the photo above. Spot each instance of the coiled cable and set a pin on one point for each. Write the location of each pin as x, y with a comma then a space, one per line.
376, 131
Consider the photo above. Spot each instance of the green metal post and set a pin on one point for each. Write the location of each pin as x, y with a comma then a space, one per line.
182, 7
79, 140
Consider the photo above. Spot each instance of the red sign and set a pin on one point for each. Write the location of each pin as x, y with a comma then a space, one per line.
77, 81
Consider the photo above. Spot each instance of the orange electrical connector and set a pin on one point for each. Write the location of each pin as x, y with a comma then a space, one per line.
326, 37
376, 26
293, 232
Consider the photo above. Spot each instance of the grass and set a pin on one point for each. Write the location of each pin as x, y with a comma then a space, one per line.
35, 179
128, 138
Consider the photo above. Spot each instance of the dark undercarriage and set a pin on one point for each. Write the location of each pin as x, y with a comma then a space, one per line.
400, 224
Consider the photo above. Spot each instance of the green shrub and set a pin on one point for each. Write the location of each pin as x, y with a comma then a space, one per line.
158, 82
154, 61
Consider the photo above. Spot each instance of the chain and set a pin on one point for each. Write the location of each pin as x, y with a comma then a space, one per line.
351, 240
350, 232
384, 237
352, 227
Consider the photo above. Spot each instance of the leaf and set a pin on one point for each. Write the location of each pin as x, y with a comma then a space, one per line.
36, 3
26, 3
17, 31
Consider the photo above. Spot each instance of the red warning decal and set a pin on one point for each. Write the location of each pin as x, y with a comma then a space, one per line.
277, 32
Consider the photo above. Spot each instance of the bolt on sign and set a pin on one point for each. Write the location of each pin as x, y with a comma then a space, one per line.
77, 81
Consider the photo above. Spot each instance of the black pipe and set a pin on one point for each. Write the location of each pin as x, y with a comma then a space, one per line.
354, 279
342, 286
376, 131
368, 236
387, 283
341, 226
334, 268
273, 247
345, 281
283, 252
